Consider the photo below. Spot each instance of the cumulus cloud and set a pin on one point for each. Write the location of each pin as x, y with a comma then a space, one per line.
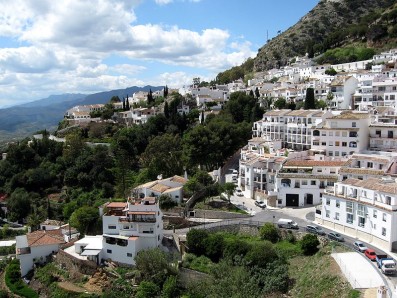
65, 44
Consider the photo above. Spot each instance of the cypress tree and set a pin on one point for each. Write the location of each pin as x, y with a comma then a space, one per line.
166, 110
310, 102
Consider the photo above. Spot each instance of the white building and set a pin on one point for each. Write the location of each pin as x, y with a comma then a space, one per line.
301, 183
363, 209
342, 135
343, 88
172, 186
36, 247
136, 116
80, 111
128, 227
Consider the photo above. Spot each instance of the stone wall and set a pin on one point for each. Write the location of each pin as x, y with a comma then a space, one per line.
186, 276
73, 264
218, 214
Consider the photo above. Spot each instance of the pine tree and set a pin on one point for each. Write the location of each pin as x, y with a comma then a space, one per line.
127, 104
166, 110
310, 102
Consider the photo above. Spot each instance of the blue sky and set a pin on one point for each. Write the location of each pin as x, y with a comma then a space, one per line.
86, 46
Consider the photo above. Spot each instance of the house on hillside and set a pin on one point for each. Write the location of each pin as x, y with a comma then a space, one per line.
128, 227
172, 186
36, 247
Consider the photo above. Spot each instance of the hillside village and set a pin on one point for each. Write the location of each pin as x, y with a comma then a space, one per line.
341, 158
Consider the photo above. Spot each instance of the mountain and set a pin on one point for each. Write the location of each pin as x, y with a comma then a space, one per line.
23, 120
332, 24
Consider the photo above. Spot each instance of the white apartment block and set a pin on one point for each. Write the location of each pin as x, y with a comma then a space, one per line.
128, 227
384, 91
342, 135
301, 183
369, 165
383, 129
83, 110
293, 128
343, 87
363, 209
136, 116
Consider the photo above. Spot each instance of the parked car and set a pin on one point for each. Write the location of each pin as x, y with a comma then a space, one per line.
315, 230
287, 223
260, 204
358, 245
335, 236
370, 254
239, 192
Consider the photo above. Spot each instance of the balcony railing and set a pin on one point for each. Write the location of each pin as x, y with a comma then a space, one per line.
137, 219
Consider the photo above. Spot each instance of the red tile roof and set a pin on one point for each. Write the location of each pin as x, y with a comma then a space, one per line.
39, 238
117, 205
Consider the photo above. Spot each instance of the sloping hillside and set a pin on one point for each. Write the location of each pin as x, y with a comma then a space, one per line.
331, 24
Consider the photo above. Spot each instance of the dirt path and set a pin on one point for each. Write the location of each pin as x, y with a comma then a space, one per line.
68, 286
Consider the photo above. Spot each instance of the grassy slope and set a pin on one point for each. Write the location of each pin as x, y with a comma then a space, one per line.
318, 276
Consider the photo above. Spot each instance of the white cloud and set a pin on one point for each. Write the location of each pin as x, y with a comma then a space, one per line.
65, 44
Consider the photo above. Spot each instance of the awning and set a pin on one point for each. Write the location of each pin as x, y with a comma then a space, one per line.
91, 252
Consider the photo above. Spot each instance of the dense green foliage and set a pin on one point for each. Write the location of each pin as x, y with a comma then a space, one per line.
344, 55
269, 232
310, 244
14, 282
46, 179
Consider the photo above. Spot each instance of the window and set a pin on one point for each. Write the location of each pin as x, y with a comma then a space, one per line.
337, 215
383, 231
349, 218
370, 165
331, 143
129, 254
384, 216
337, 204
354, 124
361, 210
109, 251
388, 200
375, 214
376, 197
361, 221
344, 134
377, 132
337, 134
349, 207
344, 144
337, 143
331, 133
304, 182
313, 182
323, 143
337, 153
112, 227
328, 201
327, 213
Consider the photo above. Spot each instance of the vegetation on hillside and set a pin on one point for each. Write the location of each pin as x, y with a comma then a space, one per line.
67, 181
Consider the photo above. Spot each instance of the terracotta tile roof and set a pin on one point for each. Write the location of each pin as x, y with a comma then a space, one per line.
361, 171
116, 205
160, 187
178, 179
351, 115
314, 163
373, 184
339, 80
39, 238
52, 222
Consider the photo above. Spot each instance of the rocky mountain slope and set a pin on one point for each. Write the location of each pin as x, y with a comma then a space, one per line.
331, 24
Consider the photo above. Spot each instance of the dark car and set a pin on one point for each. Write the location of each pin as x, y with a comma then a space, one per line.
336, 237
315, 230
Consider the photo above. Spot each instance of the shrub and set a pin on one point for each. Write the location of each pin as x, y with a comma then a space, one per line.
166, 202
196, 241
235, 248
214, 247
170, 288
309, 244
147, 289
261, 254
14, 282
269, 232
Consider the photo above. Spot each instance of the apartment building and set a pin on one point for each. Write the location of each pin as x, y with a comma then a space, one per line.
293, 128
342, 135
363, 209
343, 88
301, 183
128, 227
384, 91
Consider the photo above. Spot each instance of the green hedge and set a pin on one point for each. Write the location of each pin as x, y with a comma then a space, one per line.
15, 283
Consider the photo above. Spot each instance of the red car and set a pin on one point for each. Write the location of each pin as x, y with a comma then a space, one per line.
370, 253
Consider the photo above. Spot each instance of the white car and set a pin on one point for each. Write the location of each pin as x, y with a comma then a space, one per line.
360, 246
260, 204
239, 192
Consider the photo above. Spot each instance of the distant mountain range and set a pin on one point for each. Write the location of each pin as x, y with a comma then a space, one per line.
23, 120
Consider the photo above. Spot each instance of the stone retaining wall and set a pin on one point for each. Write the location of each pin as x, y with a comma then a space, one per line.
74, 264
218, 214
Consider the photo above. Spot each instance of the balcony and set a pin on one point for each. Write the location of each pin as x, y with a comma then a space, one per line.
137, 219
23, 251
